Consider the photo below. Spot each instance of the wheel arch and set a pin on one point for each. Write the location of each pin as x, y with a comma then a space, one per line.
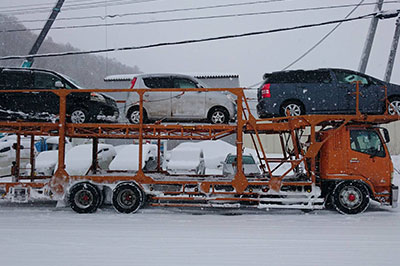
215, 107
292, 100
134, 108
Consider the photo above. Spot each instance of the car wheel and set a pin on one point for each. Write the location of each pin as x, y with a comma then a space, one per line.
394, 106
218, 115
79, 116
84, 198
292, 108
350, 197
134, 115
127, 198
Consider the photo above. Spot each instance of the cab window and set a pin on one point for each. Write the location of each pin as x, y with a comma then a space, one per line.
367, 141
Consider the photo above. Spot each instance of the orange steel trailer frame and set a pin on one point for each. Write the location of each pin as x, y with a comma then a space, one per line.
194, 190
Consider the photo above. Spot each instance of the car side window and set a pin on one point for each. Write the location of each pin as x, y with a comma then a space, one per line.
44, 80
183, 83
367, 141
344, 77
17, 79
160, 82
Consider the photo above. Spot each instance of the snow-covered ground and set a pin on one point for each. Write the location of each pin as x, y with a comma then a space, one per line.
40, 234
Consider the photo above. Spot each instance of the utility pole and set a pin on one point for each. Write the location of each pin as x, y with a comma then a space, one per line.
35, 48
370, 39
393, 50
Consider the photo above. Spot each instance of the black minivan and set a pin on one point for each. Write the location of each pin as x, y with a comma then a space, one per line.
44, 105
324, 91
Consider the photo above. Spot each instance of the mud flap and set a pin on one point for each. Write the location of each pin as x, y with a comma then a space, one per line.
395, 196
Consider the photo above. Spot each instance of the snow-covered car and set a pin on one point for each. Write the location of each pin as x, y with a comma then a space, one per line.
185, 161
8, 153
78, 160
250, 167
46, 160
44, 105
216, 107
127, 158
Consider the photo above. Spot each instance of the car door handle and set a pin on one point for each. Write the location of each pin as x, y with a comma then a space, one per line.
354, 160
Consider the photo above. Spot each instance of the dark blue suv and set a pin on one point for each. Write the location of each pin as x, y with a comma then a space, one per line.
324, 91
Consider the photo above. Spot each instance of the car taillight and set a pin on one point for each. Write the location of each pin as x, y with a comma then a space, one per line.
266, 91
133, 81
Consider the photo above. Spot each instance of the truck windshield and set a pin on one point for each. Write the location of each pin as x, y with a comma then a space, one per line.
367, 141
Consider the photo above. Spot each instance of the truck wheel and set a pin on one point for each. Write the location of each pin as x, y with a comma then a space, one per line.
218, 115
350, 197
127, 198
394, 106
294, 108
134, 115
84, 198
79, 116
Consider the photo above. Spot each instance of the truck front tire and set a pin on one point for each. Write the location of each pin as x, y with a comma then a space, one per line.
350, 197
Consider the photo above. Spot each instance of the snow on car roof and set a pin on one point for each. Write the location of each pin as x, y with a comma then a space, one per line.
126, 77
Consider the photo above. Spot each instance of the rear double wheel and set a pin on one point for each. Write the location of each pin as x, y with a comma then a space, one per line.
127, 198
350, 197
84, 198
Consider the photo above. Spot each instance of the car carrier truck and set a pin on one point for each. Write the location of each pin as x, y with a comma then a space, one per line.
332, 161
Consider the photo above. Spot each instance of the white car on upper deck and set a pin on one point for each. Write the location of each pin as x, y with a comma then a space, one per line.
216, 107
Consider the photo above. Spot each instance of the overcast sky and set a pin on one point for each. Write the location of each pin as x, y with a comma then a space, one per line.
249, 57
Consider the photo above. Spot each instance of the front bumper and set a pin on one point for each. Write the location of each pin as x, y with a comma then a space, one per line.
395, 196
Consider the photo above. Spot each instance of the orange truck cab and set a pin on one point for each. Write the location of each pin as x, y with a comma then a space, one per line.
355, 166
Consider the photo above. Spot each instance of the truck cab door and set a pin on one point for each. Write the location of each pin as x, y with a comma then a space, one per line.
368, 156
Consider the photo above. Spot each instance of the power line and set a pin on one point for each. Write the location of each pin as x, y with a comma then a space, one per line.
166, 11
41, 4
190, 9
323, 38
79, 6
165, 44
184, 19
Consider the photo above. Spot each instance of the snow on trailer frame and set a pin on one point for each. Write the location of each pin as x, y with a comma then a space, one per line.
128, 192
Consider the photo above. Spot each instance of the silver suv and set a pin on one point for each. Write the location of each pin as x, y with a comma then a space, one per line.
213, 106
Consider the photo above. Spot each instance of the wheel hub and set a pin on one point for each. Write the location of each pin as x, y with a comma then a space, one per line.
83, 199
350, 197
